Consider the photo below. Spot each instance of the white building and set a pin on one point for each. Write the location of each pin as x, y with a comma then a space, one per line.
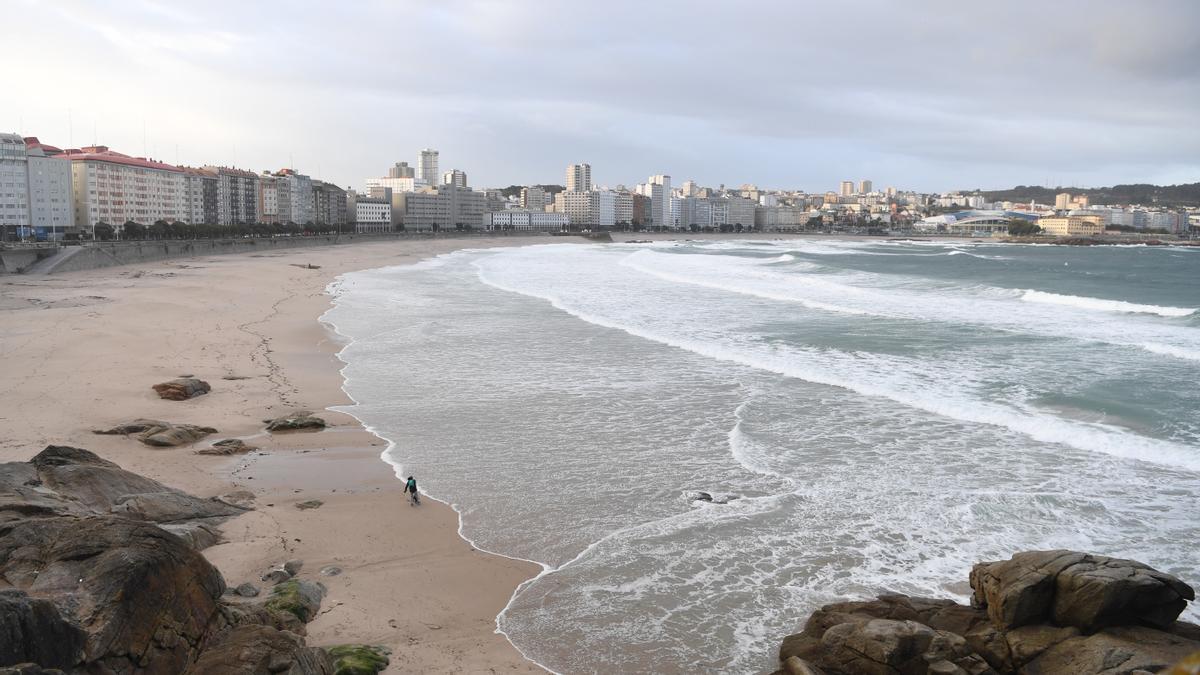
579, 178
593, 208
14, 185
658, 189
455, 177
372, 215
200, 196
427, 167
114, 188
525, 221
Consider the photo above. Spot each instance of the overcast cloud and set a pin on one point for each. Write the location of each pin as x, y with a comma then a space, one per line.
928, 95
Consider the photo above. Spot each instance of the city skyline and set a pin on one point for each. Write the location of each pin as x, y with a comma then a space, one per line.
931, 97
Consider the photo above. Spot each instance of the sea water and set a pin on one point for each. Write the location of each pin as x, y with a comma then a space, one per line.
877, 416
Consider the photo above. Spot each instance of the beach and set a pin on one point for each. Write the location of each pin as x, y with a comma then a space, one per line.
80, 351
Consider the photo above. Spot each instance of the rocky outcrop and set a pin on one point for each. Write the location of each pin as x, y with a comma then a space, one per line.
99, 573
300, 420
359, 659
257, 649
181, 389
159, 434
1040, 613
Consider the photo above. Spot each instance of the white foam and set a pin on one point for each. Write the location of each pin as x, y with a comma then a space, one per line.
1100, 304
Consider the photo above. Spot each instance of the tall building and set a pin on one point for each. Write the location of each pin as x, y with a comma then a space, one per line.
115, 188
579, 178
401, 170
865, 187
455, 177
427, 167
659, 191
533, 199
200, 196
446, 207
237, 195
847, 188
14, 186
295, 197
591, 208
1062, 200
328, 204
51, 211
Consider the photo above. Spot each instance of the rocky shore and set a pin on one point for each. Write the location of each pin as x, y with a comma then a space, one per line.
100, 572
1039, 613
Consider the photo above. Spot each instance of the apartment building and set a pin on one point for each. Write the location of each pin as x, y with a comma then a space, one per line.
114, 188
51, 210
237, 195
200, 196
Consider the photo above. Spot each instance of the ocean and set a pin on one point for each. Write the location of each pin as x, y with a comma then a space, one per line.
867, 416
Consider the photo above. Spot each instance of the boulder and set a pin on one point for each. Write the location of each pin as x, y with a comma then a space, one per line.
260, 650
794, 665
300, 420
297, 597
247, 590
181, 389
359, 659
143, 599
277, 575
885, 646
310, 504
1076, 589
197, 534
293, 566
159, 434
228, 446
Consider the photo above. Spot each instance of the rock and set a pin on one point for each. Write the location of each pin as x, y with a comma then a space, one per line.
1188, 666
242, 499
182, 388
228, 446
196, 534
886, 646
297, 597
310, 504
300, 420
1114, 650
260, 650
171, 506
703, 497
277, 575
29, 669
144, 600
794, 665
293, 566
358, 659
35, 631
331, 571
247, 590
161, 434
1076, 589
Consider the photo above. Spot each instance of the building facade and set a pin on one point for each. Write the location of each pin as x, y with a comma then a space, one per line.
113, 188
427, 167
446, 207
522, 220
1072, 226
328, 204
658, 189
51, 211
237, 195
14, 186
455, 177
200, 196
533, 199
372, 215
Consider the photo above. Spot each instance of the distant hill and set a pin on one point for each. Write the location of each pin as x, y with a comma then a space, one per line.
1161, 195
515, 190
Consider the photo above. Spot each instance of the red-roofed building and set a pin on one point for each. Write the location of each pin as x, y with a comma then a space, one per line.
115, 188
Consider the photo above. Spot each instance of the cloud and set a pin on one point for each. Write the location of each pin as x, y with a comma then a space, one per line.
791, 94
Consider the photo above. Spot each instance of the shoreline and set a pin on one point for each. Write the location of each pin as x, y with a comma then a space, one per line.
81, 350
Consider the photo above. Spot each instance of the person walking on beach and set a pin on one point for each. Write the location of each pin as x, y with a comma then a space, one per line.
410, 486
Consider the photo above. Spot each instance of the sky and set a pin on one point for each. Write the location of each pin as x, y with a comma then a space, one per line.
929, 95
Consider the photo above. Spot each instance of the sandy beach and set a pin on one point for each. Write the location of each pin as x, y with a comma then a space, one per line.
80, 351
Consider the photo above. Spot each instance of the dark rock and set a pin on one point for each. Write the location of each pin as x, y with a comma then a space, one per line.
300, 420
144, 599
29, 669
794, 665
228, 446
359, 659
182, 388
703, 497
1077, 589
160, 434
197, 534
276, 576
310, 504
293, 566
247, 590
261, 650
33, 630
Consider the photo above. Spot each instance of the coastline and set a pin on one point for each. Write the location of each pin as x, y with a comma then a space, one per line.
81, 349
